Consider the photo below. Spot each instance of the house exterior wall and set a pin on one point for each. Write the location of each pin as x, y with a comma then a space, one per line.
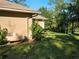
40, 22
29, 28
14, 24
21, 26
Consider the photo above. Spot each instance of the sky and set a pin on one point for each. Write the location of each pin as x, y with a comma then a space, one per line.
36, 4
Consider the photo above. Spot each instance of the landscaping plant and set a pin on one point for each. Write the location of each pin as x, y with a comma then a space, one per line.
36, 31
3, 33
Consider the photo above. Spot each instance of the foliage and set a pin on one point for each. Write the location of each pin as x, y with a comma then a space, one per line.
53, 46
55, 15
49, 22
3, 33
22, 2
72, 16
64, 17
36, 31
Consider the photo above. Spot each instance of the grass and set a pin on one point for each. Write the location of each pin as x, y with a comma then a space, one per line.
52, 46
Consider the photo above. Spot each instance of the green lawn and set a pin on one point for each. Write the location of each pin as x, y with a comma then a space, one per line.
52, 46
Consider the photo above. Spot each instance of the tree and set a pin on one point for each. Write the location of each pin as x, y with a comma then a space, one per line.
65, 14
74, 13
22, 2
49, 15
36, 31
59, 14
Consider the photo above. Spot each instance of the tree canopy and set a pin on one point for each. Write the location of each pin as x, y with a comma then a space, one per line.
22, 2
63, 17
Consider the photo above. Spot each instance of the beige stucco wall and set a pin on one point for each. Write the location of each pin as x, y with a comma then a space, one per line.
21, 26
40, 22
29, 27
17, 22
14, 24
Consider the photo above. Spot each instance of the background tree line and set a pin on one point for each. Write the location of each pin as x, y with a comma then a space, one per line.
63, 17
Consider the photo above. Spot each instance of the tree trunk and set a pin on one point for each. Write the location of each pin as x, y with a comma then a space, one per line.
72, 27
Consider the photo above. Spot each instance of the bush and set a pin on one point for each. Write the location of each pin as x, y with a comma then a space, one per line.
36, 31
3, 33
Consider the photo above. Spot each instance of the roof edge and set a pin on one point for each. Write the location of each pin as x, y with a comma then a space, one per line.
8, 9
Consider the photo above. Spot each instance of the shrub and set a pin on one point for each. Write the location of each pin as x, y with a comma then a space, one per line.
3, 33
36, 31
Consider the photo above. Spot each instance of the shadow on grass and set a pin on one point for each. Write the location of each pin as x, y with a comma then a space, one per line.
60, 47
63, 47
